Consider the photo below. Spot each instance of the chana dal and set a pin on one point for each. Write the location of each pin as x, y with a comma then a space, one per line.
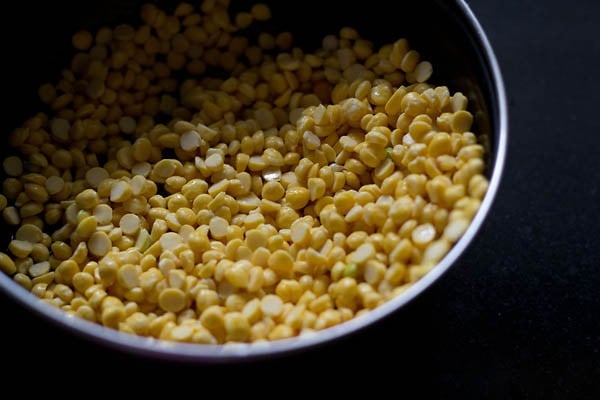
188, 183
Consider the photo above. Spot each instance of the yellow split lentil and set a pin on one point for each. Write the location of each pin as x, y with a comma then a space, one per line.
288, 192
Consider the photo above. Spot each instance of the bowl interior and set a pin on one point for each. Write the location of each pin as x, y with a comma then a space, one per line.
439, 29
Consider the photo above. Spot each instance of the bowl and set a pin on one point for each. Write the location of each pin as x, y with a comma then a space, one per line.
445, 32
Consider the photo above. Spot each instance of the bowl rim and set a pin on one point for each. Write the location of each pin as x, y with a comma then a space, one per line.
235, 352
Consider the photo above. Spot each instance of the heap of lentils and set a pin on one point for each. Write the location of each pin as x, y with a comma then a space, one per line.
264, 193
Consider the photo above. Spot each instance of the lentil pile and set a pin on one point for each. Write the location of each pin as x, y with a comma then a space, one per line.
190, 184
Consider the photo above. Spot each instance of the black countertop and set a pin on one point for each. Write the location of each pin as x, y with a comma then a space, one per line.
518, 315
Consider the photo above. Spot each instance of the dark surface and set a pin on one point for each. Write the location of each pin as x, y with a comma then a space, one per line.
517, 317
